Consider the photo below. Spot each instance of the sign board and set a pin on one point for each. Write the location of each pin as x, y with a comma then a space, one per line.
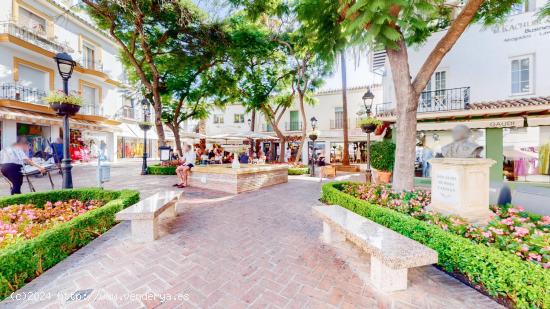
516, 29
446, 186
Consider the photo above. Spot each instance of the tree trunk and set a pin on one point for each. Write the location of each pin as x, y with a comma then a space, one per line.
157, 104
252, 127
178, 140
345, 158
406, 105
304, 127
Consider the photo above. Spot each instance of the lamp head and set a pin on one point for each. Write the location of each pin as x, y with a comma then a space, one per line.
313, 122
65, 65
368, 98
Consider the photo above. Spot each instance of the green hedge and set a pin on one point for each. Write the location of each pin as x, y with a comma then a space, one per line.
298, 170
501, 274
161, 170
25, 260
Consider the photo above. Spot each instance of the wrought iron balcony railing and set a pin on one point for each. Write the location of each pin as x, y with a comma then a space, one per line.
435, 101
129, 113
293, 126
91, 110
23, 94
338, 123
444, 100
95, 65
267, 127
36, 37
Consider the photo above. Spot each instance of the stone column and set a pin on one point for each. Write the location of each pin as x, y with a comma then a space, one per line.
461, 187
494, 150
9, 132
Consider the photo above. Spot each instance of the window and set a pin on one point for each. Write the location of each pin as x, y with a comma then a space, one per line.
294, 121
33, 78
89, 96
522, 75
524, 7
440, 80
88, 57
238, 118
32, 21
434, 94
338, 118
218, 119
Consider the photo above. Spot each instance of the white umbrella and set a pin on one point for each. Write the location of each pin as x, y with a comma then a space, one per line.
512, 153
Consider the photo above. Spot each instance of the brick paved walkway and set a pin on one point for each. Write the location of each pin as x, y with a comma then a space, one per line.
257, 250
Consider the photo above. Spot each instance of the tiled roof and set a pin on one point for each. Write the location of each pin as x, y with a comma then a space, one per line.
520, 102
490, 105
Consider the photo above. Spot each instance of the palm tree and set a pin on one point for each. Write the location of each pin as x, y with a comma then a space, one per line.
345, 158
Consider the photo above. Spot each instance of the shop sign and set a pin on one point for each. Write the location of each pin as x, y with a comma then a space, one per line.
503, 124
516, 31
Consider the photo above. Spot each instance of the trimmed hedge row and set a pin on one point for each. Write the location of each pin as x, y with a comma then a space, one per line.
501, 274
161, 170
25, 260
298, 170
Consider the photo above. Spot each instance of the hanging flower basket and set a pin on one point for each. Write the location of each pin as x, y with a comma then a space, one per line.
145, 126
64, 104
313, 135
369, 124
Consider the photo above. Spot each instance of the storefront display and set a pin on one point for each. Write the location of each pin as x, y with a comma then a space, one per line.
37, 137
128, 147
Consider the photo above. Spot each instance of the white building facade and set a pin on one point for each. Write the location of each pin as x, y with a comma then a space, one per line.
31, 33
328, 110
496, 80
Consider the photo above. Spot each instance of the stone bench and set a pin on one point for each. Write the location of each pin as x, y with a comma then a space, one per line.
392, 254
145, 214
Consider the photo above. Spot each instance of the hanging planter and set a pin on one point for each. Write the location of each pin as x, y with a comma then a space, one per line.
145, 125
369, 124
313, 135
64, 104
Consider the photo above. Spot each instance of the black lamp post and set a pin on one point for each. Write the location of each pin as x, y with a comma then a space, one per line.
368, 98
65, 66
251, 151
313, 136
145, 127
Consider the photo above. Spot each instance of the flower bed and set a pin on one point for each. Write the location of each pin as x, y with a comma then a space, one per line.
298, 170
488, 262
47, 233
161, 170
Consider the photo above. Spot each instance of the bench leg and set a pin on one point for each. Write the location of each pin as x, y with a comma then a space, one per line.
330, 235
385, 278
170, 212
145, 230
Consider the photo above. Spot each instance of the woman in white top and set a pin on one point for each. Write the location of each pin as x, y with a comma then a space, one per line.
183, 170
12, 160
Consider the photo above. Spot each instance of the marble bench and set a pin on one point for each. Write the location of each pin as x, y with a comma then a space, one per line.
392, 254
145, 214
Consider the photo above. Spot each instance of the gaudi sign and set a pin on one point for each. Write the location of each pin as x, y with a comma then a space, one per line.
520, 30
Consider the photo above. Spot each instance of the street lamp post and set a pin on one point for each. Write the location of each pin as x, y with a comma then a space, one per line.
313, 136
65, 66
251, 152
145, 127
368, 98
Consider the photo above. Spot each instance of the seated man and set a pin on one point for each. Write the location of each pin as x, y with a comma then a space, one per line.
182, 171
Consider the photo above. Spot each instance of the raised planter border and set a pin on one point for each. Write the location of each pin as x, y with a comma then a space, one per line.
23, 261
502, 275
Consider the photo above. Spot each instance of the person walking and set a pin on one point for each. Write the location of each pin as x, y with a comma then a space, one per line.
12, 160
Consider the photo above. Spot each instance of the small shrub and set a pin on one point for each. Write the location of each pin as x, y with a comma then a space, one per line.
298, 170
382, 155
161, 170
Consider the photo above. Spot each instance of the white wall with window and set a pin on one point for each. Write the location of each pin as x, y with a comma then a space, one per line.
503, 61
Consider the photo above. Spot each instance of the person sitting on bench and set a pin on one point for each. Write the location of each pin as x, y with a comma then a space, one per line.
12, 160
182, 171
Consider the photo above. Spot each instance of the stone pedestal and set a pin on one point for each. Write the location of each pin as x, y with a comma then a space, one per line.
461, 187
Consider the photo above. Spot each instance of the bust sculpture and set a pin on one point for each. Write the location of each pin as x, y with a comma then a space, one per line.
461, 147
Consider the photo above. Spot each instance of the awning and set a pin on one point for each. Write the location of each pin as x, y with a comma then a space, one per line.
535, 121
132, 130
48, 120
511, 122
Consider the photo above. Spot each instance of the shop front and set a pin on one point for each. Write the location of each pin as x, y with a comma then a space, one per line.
514, 133
129, 143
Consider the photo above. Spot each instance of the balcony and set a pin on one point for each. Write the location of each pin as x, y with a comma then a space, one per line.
91, 110
95, 65
293, 126
444, 100
337, 124
129, 113
36, 37
267, 127
22, 94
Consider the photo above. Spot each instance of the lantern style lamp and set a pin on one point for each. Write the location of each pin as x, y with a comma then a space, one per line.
65, 66
368, 98
313, 138
146, 112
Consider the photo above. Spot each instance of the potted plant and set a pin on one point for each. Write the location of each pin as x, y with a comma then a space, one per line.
382, 158
64, 104
313, 135
145, 125
369, 124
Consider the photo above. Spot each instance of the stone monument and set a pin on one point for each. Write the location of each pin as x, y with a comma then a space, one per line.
460, 180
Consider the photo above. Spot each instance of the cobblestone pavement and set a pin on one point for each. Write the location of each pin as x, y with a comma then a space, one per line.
254, 250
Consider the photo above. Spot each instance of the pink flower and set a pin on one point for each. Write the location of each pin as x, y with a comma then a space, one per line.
512, 210
521, 231
507, 221
486, 234
545, 220
534, 256
524, 248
